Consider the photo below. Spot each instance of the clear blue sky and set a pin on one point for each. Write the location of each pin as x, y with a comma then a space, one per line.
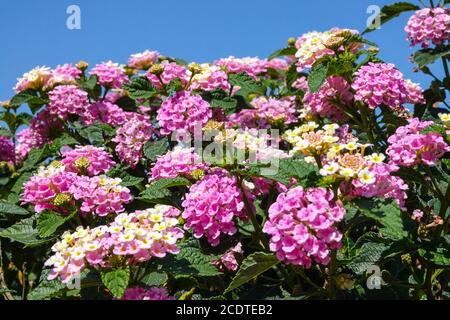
35, 33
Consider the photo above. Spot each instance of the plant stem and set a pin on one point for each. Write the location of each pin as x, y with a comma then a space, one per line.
330, 279
429, 283
252, 217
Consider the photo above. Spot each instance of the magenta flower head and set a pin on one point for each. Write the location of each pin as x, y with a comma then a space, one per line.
178, 162
143, 61
429, 26
408, 147
68, 99
302, 226
110, 75
131, 137
182, 113
382, 84
7, 152
87, 160
211, 206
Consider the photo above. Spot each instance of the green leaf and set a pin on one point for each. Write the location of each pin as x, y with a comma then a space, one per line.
140, 88
228, 104
156, 278
252, 266
386, 212
48, 222
428, 56
317, 77
153, 149
64, 140
190, 261
367, 255
89, 84
305, 173
391, 11
27, 96
23, 232
116, 281
128, 180
289, 51
46, 289
246, 83
8, 208
93, 134
434, 128
17, 187
159, 189
34, 157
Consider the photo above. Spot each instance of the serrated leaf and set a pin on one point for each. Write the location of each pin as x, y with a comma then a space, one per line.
434, 128
18, 185
48, 222
386, 212
9, 208
391, 11
424, 57
156, 278
89, 84
159, 189
153, 149
368, 255
317, 77
23, 232
116, 281
34, 157
252, 266
46, 289
287, 169
27, 96
246, 83
289, 51
140, 88
190, 261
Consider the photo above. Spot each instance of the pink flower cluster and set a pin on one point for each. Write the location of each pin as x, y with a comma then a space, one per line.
110, 75
131, 137
230, 260
7, 152
386, 185
143, 61
137, 237
253, 66
171, 71
43, 187
101, 195
178, 162
211, 205
429, 25
273, 110
105, 112
37, 134
334, 92
182, 113
96, 160
65, 74
302, 226
209, 78
408, 147
68, 99
154, 293
381, 83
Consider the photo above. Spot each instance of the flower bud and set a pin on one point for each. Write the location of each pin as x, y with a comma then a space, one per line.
194, 68
157, 69
82, 163
406, 259
56, 164
62, 199
345, 281
129, 71
82, 65
291, 42
197, 174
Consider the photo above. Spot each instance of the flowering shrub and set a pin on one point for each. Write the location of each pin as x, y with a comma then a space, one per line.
299, 174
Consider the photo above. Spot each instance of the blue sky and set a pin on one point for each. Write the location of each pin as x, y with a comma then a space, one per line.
35, 33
